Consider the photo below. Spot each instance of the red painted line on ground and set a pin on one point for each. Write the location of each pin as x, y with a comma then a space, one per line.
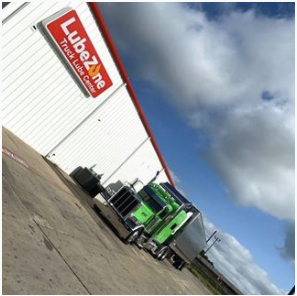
14, 157
21, 162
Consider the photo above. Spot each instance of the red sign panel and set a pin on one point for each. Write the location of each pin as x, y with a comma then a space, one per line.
74, 43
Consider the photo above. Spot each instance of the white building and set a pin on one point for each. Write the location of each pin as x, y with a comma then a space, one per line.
66, 93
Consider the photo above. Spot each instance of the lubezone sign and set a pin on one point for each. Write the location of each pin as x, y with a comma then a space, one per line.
70, 38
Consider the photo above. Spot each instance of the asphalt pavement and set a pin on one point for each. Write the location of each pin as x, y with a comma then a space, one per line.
53, 242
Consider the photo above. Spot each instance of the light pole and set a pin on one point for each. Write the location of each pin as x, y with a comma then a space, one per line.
216, 240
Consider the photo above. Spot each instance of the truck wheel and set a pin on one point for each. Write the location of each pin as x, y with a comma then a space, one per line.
133, 236
163, 253
96, 209
176, 264
181, 265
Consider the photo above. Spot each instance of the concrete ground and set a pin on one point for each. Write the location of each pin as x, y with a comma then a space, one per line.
54, 243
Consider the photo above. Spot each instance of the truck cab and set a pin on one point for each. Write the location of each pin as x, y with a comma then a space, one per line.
183, 237
143, 213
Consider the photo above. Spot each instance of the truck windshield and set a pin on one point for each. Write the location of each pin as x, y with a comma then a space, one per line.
152, 199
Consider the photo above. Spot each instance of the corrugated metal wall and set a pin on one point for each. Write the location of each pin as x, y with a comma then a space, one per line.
43, 105
41, 102
107, 138
143, 164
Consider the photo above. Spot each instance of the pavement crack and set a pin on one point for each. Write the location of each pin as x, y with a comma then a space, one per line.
49, 242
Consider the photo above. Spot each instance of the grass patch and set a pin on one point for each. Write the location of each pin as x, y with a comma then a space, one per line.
208, 282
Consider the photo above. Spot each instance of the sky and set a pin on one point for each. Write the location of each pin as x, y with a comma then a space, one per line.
217, 84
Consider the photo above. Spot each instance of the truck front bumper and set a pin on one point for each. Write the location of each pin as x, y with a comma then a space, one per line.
123, 228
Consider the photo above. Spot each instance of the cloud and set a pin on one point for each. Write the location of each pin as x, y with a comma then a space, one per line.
175, 178
254, 153
235, 262
232, 78
177, 183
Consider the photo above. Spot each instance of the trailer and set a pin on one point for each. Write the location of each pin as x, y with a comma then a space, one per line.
189, 241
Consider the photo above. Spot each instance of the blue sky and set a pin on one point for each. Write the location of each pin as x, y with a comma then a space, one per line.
260, 233
216, 82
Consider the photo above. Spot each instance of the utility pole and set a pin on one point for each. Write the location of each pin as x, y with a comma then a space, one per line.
211, 236
216, 240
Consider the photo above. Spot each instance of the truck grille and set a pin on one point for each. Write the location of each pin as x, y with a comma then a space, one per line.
124, 201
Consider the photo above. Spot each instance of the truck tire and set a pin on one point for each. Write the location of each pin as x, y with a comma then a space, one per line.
181, 265
96, 209
133, 236
175, 264
162, 255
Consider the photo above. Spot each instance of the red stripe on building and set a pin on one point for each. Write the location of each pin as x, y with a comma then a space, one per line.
99, 18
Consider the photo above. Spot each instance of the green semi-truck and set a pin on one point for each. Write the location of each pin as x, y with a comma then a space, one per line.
156, 217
